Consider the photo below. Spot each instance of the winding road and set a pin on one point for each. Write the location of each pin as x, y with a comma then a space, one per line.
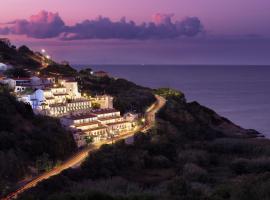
81, 155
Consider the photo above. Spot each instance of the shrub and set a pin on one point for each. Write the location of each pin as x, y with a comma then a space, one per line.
193, 172
243, 166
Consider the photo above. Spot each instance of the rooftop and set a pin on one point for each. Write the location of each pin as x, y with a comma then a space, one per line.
61, 94
82, 116
115, 123
86, 124
97, 128
104, 111
108, 118
79, 100
21, 79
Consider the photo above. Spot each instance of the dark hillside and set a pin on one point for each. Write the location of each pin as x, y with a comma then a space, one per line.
27, 140
191, 154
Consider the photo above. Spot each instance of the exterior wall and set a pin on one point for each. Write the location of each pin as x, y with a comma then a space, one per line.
72, 89
38, 97
87, 126
3, 67
19, 89
10, 82
23, 82
98, 134
60, 98
121, 126
70, 121
58, 109
106, 114
79, 138
59, 90
104, 101
110, 120
84, 120
35, 80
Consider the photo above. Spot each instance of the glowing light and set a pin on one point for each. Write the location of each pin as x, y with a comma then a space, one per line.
48, 57
43, 51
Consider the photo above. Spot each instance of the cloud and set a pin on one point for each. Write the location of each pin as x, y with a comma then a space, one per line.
42, 25
49, 25
160, 18
190, 26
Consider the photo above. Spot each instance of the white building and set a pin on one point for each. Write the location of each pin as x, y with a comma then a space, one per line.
105, 101
103, 113
71, 88
4, 67
99, 124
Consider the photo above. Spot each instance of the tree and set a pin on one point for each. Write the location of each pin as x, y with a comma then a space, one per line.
89, 139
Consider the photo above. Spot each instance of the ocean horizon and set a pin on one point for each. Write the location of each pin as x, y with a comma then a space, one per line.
240, 93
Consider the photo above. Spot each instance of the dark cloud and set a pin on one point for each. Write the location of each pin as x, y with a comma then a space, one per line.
4, 31
48, 25
43, 25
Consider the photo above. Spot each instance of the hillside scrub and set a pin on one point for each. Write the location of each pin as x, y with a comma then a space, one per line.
26, 139
191, 154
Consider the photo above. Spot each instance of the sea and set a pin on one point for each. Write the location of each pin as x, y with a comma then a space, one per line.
239, 93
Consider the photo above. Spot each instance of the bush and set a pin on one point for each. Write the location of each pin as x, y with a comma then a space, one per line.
243, 166
199, 157
193, 172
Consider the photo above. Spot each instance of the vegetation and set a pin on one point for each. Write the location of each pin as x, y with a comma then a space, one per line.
55, 69
28, 141
192, 154
127, 95
17, 72
169, 93
23, 58
19, 57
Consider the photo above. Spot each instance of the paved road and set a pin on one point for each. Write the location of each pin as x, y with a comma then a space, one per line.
80, 156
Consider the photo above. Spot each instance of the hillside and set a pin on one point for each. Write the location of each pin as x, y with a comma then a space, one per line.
24, 58
19, 57
28, 141
191, 154
31, 144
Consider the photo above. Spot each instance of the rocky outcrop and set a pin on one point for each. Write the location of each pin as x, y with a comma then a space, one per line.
201, 122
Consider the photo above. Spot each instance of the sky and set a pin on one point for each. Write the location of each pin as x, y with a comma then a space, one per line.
142, 32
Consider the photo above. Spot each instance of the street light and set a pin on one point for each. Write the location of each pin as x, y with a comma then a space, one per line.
43, 51
48, 57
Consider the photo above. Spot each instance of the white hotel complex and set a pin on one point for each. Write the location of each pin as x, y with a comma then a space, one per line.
61, 98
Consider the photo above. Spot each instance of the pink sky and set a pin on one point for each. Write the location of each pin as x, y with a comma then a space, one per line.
230, 27
219, 16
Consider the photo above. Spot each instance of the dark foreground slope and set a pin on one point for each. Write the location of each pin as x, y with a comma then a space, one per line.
192, 153
28, 141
